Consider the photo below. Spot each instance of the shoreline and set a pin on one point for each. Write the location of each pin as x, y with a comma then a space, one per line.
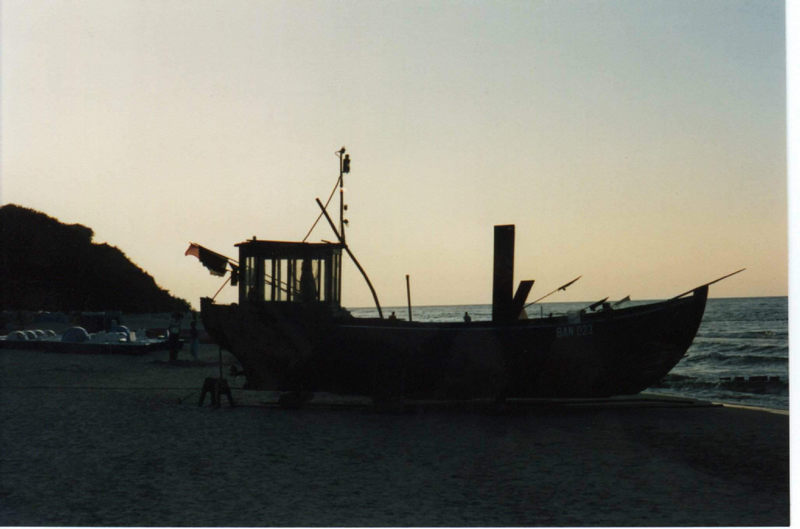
755, 408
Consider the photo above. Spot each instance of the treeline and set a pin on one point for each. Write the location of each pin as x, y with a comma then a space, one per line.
48, 265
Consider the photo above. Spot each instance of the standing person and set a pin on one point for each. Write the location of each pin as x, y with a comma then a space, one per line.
174, 337
194, 334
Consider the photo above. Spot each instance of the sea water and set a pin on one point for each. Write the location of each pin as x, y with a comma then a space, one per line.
740, 354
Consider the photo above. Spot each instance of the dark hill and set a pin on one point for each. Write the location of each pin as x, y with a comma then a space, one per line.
48, 265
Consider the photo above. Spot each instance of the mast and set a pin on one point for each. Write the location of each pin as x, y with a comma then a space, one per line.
344, 167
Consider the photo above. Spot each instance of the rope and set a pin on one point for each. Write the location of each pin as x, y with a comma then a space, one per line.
223, 286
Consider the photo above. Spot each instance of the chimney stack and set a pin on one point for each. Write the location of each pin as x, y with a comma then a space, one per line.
503, 280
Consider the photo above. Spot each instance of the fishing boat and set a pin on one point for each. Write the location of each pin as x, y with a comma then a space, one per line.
290, 332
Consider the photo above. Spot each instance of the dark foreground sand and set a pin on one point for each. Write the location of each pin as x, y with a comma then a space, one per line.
100, 440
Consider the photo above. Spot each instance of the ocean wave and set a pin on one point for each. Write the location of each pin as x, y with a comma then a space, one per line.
764, 317
761, 348
725, 359
773, 334
758, 385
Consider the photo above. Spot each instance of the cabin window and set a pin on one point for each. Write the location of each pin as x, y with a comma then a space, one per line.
269, 274
250, 280
336, 279
294, 274
275, 280
285, 280
282, 273
314, 278
316, 270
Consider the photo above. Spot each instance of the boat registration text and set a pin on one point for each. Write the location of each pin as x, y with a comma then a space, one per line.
568, 331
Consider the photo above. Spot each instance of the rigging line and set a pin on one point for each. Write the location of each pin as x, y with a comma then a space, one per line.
709, 283
223, 286
562, 287
282, 285
333, 191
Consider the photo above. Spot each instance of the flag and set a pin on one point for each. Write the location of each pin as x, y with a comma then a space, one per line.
193, 250
216, 263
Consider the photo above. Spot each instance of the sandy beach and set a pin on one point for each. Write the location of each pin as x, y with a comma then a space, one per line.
121, 441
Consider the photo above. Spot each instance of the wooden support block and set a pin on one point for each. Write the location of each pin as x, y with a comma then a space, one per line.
216, 387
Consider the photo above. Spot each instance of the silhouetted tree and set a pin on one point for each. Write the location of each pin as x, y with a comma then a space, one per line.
48, 265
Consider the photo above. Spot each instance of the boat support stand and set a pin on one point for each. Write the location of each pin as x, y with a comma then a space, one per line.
216, 388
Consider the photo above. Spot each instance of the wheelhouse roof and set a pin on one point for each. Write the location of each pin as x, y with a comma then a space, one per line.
287, 249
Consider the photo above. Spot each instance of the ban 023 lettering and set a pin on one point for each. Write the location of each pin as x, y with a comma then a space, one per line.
574, 330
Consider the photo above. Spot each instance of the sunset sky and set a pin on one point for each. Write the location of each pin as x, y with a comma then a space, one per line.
640, 143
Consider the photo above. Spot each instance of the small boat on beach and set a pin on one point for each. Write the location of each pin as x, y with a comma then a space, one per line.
290, 332
77, 340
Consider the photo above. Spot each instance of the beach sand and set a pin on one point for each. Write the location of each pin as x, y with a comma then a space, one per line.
121, 441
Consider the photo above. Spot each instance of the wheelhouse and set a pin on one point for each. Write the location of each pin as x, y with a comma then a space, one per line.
290, 272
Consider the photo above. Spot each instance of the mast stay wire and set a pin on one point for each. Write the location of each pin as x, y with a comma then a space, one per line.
333, 192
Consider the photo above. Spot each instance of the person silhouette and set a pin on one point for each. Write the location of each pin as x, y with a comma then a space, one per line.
194, 334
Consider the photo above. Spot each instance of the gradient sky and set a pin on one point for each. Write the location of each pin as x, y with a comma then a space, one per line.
640, 143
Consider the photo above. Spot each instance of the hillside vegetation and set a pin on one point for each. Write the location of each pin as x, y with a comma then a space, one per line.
48, 265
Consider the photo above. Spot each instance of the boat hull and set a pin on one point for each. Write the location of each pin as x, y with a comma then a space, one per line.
292, 347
